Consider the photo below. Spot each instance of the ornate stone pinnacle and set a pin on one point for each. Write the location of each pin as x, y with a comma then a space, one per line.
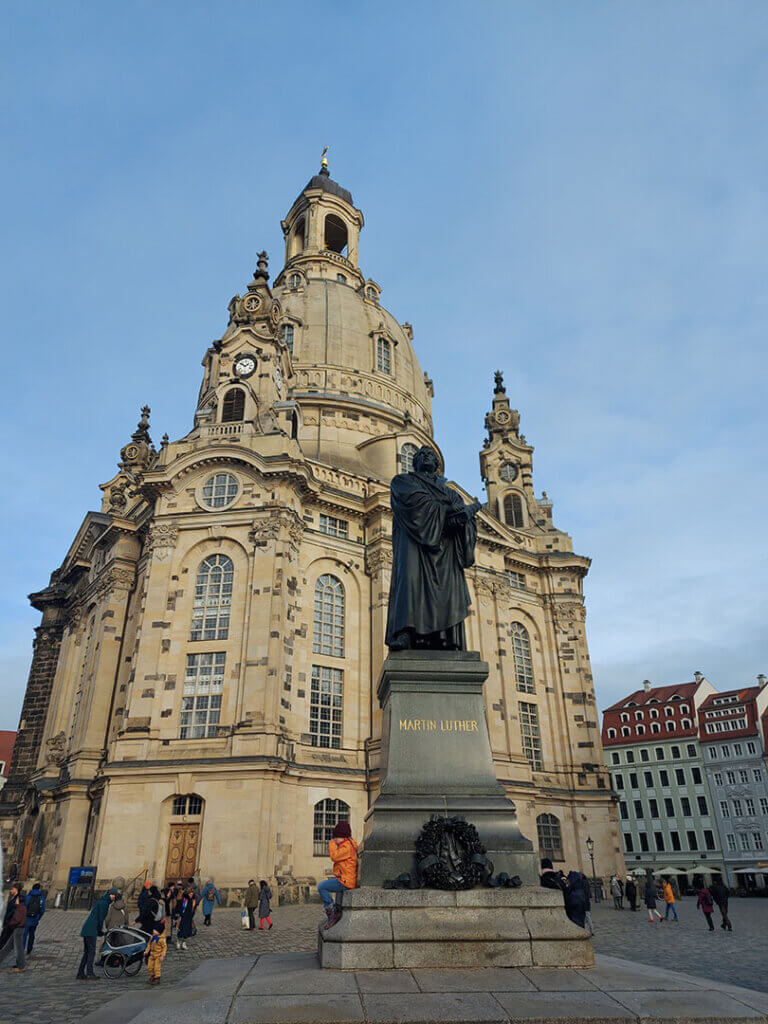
498, 378
262, 262
141, 433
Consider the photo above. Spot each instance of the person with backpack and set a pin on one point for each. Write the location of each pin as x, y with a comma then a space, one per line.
35, 902
209, 894
706, 904
12, 935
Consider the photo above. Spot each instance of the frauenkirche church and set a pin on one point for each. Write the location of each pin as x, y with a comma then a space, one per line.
202, 690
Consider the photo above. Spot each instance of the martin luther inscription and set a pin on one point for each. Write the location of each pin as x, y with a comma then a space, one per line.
438, 725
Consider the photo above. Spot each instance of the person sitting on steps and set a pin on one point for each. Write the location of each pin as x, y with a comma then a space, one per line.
343, 852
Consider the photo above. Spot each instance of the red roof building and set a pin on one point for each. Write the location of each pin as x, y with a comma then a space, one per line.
734, 715
656, 712
7, 739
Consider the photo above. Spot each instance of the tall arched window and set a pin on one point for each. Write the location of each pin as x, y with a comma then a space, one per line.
550, 839
335, 233
328, 813
286, 336
513, 510
521, 650
213, 598
406, 457
383, 355
233, 409
329, 617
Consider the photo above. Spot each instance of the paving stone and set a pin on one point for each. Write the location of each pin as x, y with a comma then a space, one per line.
353, 956
689, 1005
552, 979
576, 1006
488, 979
386, 981
432, 1006
298, 982
612, 977
295, 1009
556, 953
201, 1011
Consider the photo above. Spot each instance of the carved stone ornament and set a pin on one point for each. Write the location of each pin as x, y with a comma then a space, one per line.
117, 497
114, 579
378, 559
56, 752
162, 540
283, 521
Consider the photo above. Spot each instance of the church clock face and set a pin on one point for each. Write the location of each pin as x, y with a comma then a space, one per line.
508, 472
245, 365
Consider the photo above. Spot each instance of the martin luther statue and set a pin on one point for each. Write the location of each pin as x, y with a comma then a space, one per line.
433, 542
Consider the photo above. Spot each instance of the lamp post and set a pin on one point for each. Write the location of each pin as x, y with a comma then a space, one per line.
591, 852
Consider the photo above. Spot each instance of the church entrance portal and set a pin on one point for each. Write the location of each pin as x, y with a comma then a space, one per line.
182, 852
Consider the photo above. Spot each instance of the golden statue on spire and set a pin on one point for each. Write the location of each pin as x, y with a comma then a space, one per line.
324, 158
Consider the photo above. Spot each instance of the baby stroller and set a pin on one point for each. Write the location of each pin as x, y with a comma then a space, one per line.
123, 951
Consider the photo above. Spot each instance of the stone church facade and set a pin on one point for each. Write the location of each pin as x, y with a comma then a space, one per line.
202, 689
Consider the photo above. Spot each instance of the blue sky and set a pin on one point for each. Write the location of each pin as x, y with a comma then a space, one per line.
575, 193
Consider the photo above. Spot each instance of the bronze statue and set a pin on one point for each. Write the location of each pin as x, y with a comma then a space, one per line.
433, 542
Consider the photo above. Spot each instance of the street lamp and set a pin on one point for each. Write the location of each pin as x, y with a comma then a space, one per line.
591, 852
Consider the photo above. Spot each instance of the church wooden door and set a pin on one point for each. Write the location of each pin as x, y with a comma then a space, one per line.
25, 857
182, 852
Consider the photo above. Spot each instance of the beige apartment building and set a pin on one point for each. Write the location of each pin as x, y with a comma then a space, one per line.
202, 691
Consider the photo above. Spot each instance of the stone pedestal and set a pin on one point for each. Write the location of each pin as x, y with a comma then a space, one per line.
436, 759
402, 928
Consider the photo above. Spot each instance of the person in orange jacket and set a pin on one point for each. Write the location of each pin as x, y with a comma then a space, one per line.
669, 899
343, 852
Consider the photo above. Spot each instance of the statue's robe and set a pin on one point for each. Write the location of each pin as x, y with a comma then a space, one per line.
433, 542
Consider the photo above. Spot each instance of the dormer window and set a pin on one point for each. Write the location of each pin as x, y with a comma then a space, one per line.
611, 734
654, 712
341, 279
639, 716
370, 293
383, 355
294, 281
669, 712
624, 717
233, 407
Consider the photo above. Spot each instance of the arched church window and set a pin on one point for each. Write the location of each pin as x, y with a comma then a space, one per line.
189, 805
328, 813
335, 233
521, 650
329, 617
201, 699
383, 355
294, 281
286, 336
550, 837
513, 510
406, 457
297, 240
213, 599
233, 408
326, 706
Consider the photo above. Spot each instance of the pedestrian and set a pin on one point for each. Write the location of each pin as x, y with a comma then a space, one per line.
171, 896
12, 934
631, 891
265, 895
93, 927
577, 903
616, 892
157, 947
209, 894
116, 915
342, 850
142, 904
720, 896
549, 878
649, 894
251, 902
669, 899
186, 926
707, 905
35, 903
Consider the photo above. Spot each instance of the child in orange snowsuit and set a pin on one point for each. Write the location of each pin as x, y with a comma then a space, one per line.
155, 953
343, 852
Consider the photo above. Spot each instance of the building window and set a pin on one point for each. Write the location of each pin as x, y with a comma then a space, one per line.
749, 806
643, 841
670, 726
745, 845
341, 279
655, 727
612, 734
213, 598
233, 407
730, 778
654, 712
630, 757
763, 805
659, 753
659, 840
383, 355
639, 716
712, 753
623, 810
724, 810
726, 751
702, 802
675, 837
731, 842
513, 510
628, 845
758, 840
286, 336
201, 700
737, 808
406, 457
332, 526
693, 843
638, 805
370, 293
718, 776
648, 779
516, 579
640, 730
615, 759
633, 780
691, 748
326, 706
680, 776
624, 717
696, 775
709, 839
669, 807
328, 813
750, 748
508, 472
686, 723
644, 755
743, 777
653, 804
550, 840
757, 775
294, 281
189, 806
685, 803
669, 712
676, 753
618, 781
521, 648
664, 777
529, 728
625, 730
329, 617
220, 490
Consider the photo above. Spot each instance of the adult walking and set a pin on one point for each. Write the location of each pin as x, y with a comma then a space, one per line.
720, 895
265, 895
209, 894
251, 903
35, 904
631, 893
186, 919
93, 927
577, 903
12, 935
707, 905
144, 918
649, 894
669, 899
616, 892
